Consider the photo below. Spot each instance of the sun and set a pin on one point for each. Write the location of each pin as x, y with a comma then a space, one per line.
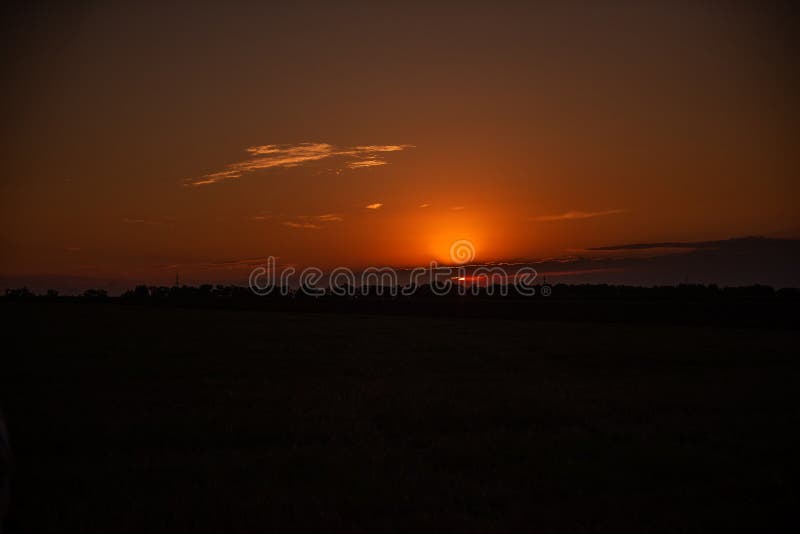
457, 238
454, 247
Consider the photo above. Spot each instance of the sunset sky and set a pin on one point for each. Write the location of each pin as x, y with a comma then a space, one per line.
142, 139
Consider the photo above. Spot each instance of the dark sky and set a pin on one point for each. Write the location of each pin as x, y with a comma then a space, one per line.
140, 138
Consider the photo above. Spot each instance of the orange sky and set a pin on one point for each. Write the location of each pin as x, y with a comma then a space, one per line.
532, 131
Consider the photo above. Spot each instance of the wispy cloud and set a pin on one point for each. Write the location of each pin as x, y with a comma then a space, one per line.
366, 163
313, 222
750, 242
329, 217
457, 208
573, 215
304, 225
272, 156
425, 205
375, 206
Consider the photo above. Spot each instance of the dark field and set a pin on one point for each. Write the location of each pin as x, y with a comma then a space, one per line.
129, 418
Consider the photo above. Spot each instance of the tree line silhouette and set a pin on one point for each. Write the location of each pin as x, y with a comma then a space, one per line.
209, 292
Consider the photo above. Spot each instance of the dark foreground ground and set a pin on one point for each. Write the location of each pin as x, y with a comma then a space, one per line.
138, 419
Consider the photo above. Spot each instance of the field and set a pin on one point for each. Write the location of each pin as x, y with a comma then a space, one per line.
127, 418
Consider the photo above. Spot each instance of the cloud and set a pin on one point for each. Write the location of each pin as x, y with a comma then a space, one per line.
382, 148
457, 208
329, 217
574, 215
313, 222
425, 205
272, 156
366, 163
751, 241
374, 206
307, 226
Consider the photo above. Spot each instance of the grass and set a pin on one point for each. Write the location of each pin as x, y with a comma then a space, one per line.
138, 419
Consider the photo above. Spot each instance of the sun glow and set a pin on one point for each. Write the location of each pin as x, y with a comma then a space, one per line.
456, 241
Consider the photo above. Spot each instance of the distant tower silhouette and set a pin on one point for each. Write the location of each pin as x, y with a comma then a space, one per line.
177, 280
